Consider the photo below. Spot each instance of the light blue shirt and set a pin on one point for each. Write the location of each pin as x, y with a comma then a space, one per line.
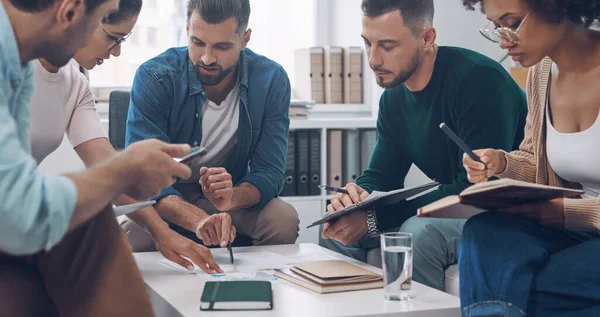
35, 207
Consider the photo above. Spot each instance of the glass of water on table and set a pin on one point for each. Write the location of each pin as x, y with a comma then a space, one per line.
397, 262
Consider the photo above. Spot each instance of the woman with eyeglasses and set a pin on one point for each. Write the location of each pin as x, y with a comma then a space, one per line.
542, 259
62, 102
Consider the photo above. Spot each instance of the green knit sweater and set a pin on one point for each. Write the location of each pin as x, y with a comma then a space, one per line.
474, 96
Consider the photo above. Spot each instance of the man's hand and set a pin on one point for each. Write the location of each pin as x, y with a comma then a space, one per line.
549, 213
341, 201
216, 230
148, 167
493, 159
217, 187
348, 229
175, 247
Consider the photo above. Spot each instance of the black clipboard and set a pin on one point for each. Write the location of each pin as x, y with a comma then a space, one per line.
379, 199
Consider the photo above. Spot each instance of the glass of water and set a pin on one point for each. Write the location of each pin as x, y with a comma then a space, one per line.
397, 260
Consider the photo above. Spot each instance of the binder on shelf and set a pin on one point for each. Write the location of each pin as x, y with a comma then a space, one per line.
351, 156
334, 75
353, 79
315, 162
289, 185
334, 158
310, 74
302, 163
368, 139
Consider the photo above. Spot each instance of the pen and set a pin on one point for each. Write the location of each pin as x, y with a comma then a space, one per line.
230, 249
333, 189
461, 144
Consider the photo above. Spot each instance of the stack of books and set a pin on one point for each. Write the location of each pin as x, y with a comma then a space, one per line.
331, 276
299, 109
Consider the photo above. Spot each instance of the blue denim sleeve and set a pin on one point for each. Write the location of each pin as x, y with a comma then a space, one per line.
147, 117
267, 166
35, 207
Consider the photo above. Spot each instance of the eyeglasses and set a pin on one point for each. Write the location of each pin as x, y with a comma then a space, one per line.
499, 33
118, 41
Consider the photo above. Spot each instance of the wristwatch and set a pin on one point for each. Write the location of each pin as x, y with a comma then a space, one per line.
372, 228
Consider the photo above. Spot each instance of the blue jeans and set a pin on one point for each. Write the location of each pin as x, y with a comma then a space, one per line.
511, 266
435, 242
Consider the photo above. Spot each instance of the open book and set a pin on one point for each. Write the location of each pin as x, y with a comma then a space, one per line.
492, 195
377, 199
330, 276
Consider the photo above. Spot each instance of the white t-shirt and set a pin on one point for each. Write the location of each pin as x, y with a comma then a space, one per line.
574, 156
61, 102
219, 133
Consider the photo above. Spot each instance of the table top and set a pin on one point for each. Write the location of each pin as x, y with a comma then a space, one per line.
175, 293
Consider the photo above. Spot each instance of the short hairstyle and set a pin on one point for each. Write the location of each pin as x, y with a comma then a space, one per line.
416, 13
217, 11
128, 9
583, 12
33, 6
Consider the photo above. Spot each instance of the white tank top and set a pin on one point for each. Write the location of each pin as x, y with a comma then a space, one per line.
574, 156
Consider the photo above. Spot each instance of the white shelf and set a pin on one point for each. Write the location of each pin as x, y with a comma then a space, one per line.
333, 123
293, 199
364, 109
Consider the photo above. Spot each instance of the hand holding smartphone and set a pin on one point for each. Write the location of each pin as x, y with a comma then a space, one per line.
196, 153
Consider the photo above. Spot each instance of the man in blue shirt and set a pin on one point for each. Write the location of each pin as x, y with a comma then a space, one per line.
218, 94
61, 249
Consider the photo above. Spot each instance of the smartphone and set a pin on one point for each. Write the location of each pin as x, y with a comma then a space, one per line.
190, 158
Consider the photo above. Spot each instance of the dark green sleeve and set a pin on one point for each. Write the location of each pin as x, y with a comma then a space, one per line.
486, 111
389, 164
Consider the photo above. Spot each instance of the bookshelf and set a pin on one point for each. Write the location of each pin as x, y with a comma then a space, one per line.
311, 208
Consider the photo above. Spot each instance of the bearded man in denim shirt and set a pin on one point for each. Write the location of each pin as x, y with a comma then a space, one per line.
216, 93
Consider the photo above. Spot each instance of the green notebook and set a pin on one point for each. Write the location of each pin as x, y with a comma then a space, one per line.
237, 295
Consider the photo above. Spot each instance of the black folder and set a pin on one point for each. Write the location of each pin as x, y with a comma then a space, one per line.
315, 162
289, 185
302, 163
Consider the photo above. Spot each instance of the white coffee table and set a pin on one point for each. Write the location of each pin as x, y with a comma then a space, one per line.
178, 294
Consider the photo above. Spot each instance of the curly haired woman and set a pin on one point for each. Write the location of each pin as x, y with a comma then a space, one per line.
542, 259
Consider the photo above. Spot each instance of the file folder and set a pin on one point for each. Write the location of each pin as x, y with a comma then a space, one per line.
315, 162
289, 185
302, 163
334, 75
334, 158
351, 156
353, 79
310, 74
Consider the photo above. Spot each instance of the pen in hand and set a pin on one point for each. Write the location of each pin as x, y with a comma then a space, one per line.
461, 144
333, 189
230, 249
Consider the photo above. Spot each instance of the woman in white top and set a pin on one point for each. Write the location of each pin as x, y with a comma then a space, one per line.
542, 259
62, 102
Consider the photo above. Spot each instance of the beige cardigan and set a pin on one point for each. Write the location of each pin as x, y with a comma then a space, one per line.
530, 163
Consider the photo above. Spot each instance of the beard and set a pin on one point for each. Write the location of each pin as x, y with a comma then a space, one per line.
59, 51
212, 80
404, 74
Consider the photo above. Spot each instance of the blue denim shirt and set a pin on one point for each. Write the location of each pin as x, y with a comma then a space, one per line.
35, 208
167, 100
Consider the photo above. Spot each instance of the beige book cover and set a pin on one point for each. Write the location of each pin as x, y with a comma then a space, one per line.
501, 193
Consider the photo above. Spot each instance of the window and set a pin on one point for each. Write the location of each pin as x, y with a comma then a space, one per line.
151, 35
278, 27
135, 36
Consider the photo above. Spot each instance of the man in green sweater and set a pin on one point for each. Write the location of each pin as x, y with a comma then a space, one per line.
425, 86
